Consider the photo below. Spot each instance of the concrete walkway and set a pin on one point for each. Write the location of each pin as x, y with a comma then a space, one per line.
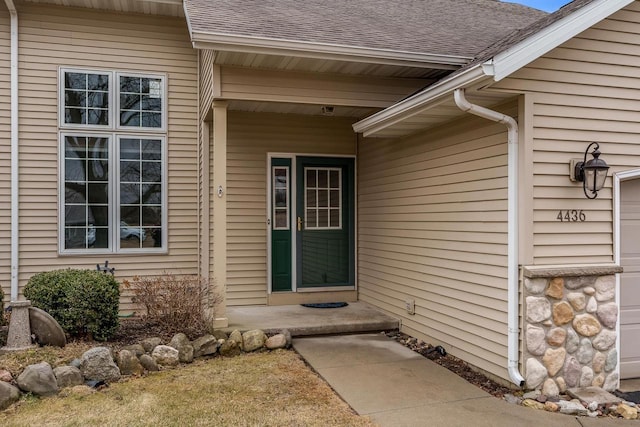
395, 386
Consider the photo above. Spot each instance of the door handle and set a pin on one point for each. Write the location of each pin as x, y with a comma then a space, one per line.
300, 221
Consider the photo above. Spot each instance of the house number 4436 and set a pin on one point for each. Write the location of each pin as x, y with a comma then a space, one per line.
571, 216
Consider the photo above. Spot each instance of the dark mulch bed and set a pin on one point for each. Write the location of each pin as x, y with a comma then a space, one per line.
452, 363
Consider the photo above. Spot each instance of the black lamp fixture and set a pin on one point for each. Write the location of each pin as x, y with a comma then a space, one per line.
592, 173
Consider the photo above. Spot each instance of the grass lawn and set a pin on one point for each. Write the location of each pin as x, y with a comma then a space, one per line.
257, 389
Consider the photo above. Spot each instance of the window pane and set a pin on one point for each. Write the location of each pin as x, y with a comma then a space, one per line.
75, 146
322, 179
75, 215
311, 198
98, 82
75, 238
140, 102
153, 237
311, 177
74, 193
98, 148
149, 103
151, 149
281, 218
74, 98
151, 120
335, 198
334, 218
99, 215
151, 172
130, 171
75, 115
130, 215
98, 194
74, 170
130, 118
102, 238
152, 194
129, 148
129, 84
98, 170
281, 198
151, 215
311, 219
75, 80
323, 218
334, 179
86, 98
130, 194
129, 101
323, 198
98, 99
97, 116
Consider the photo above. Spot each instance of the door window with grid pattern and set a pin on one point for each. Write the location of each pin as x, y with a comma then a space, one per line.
323, 198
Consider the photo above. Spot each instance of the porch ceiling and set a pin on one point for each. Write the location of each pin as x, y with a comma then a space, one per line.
148, 7
304, 109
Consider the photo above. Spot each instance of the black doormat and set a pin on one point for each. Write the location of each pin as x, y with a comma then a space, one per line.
326, 305
631, 396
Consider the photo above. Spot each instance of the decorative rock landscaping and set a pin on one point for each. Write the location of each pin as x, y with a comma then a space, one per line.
570, 336
98, 366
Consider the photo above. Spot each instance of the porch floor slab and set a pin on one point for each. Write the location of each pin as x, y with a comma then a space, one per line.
304, 321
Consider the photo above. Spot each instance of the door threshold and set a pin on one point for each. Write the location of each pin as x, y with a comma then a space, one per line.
326, 289
289, 298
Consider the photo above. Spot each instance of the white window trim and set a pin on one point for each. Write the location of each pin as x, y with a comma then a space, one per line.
114, 100
61, 105
114, 194
61, 194
163, 100
116, 207
273, 190
329, 227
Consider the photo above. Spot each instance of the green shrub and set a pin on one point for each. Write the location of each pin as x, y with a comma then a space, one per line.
84, 302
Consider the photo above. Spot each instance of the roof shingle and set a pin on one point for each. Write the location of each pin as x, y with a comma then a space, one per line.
442, 27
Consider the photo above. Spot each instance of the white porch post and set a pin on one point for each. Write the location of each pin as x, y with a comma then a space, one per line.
218, 275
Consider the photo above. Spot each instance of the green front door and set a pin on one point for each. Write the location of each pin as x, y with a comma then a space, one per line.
324, 222
312, 223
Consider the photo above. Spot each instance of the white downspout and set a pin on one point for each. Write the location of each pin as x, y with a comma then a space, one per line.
512, 257
14, 149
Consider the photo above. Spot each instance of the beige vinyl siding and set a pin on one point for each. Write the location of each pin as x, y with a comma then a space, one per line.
206, 81
432, 227
250, 137
54, 36
319, 88
585, 90
5, 153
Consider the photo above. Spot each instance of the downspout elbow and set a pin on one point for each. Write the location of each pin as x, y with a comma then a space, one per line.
512, 227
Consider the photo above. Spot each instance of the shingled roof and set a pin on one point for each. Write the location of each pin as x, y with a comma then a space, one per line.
442, 27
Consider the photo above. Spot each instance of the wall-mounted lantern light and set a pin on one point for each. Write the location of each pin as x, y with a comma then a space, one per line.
592, 173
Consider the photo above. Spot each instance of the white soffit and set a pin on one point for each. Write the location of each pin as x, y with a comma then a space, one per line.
148, 7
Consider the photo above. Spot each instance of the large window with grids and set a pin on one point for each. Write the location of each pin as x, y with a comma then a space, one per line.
112, 162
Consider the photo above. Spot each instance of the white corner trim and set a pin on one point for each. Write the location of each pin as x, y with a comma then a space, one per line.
252, 44
533, 47
418, 102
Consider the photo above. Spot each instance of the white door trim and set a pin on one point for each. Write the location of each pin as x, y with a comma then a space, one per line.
293, 157
617, 179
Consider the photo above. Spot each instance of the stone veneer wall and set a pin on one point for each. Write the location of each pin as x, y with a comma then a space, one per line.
570, 318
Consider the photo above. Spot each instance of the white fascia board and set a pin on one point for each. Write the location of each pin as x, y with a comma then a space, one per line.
533, 47
250, 44
419, 102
